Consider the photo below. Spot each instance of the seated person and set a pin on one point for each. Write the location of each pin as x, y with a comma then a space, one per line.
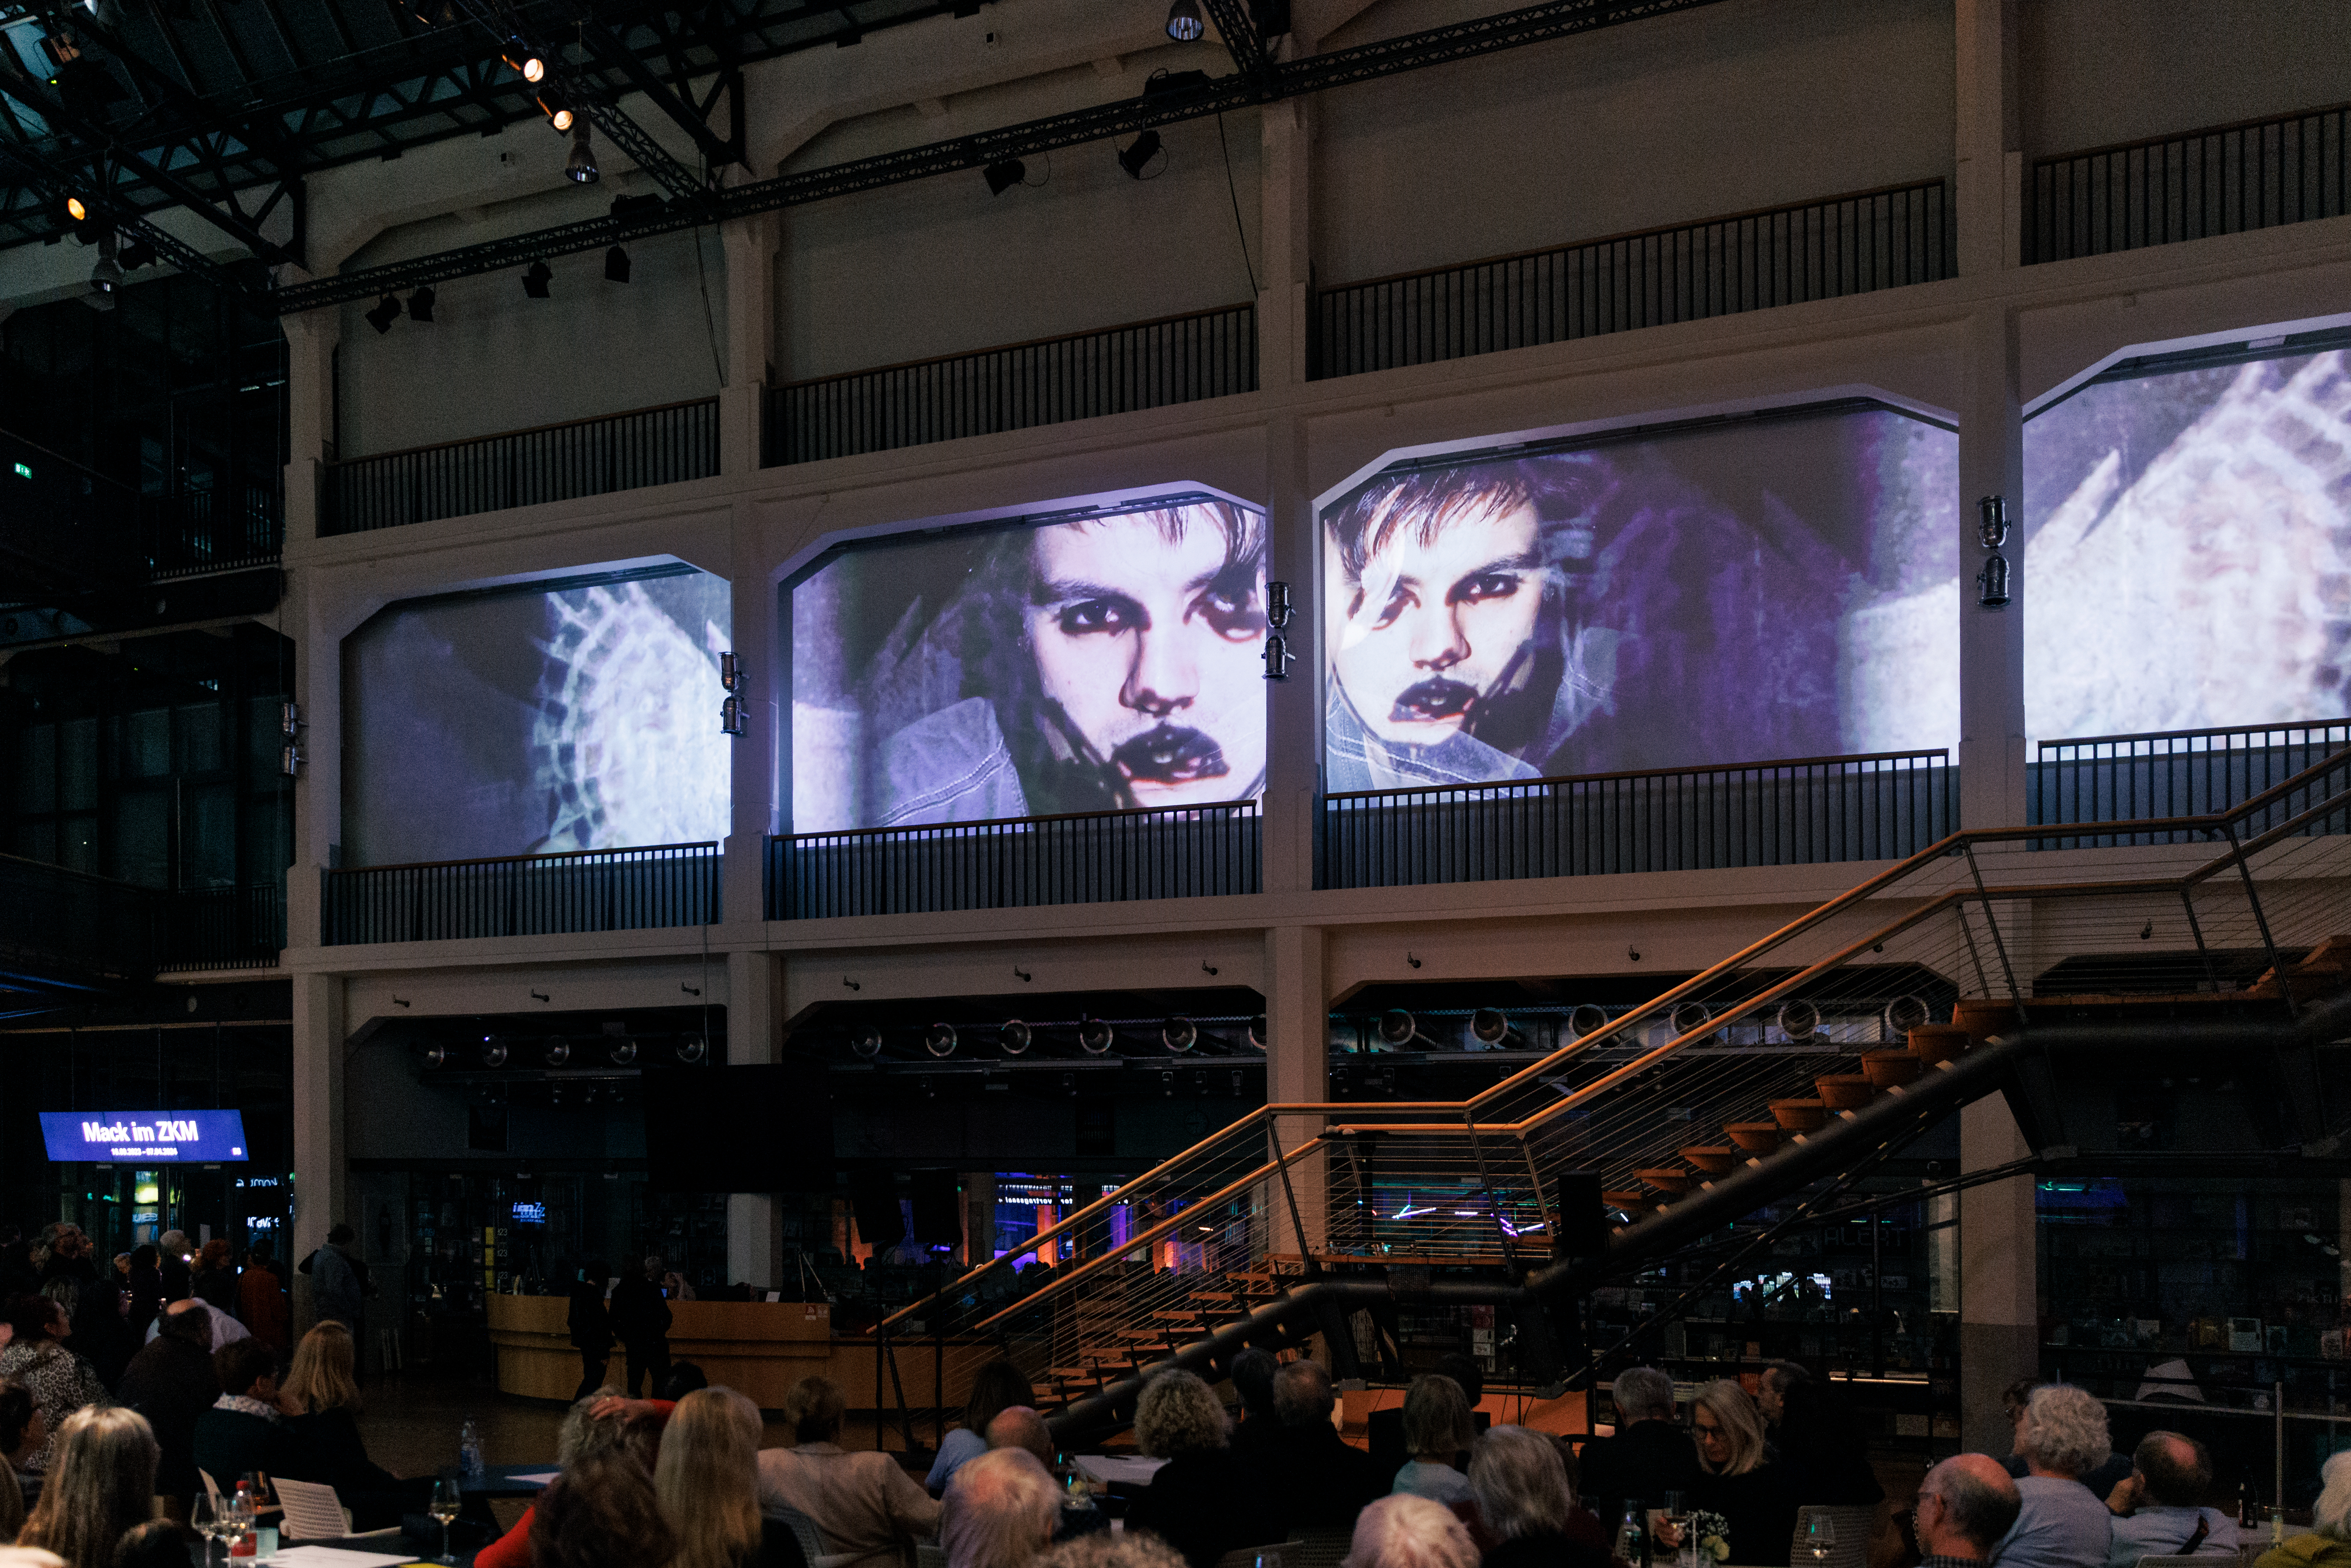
995, 1388
1738, 1476
320, 1397
1253, 1371
1386, 1428
2328, 1543
1650, 1456
1000, 1511
246, 1429
866, 1506
706, 1476
2159, 1508
1311, 1478
1525, 1504
603, 1423
1965, 1505
1407, 1530
1203, 1502
2101, 1478
2060, 1523
1019, 1427
1436, 1428
172, 1383
601, 1512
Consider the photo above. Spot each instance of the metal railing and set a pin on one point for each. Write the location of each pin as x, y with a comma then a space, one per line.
2172, 773
2223, 179
200, 531
1095, 857
663, 445
73, 925
222, 927
1146, 364
60, 516
523, 895
1823, 249
1804, 811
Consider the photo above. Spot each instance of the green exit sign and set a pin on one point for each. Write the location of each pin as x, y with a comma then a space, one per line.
24, 470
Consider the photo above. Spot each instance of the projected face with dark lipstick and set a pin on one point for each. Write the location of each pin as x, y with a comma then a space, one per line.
1435, 586
1148, 631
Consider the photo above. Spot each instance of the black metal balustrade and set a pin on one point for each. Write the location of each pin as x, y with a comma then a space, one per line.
1102, 857
2223, 179
523, 895
72, 925
2177, 773
1804, 811
1717, 266
222, 927
1148, 364
664, 445
201, 532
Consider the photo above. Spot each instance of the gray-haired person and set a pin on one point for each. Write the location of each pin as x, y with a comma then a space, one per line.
1405, 1529
2062, 1523
1965, 1505
1650, 1455
1000, 1511
2159, 1510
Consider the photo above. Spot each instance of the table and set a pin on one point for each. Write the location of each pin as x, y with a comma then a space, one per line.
501, 1480
416, 1549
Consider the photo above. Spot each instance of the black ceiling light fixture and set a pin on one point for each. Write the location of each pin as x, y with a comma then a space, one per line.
534, 280
386, 312
107, 276
1138, 153
1184, 23
1005, 174
581, 167
420, 305
616, 265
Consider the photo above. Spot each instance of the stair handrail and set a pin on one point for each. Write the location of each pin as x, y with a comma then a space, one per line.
1954, 842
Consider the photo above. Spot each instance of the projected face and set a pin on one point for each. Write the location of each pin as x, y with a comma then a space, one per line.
1148, 631
1438, 619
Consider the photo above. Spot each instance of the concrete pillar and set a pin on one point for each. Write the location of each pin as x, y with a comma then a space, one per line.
1991, 642
311, 342
1293, 707
750, 246
758, 755
754, 1239
321, 1182
1999, 1334
1286, 285
317, 691
1989, 137
1296, 1071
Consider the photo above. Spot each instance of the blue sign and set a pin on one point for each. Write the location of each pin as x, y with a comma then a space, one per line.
159, 1137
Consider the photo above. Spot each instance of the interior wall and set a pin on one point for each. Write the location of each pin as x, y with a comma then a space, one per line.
1723, 110
2095, 72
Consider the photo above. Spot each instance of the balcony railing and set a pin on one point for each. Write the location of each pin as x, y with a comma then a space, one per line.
1717, 266
1103, 857
1149, 364
75, 927
222, 927
2224, 179
1804, 811
201, 532
662, 445
523, 895
2176, 773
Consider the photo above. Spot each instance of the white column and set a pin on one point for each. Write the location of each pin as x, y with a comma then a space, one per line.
1991, 642
756, 754
1286, 136
750, 246
1989, 138
1294, 708
321, 1184
754, 1251
1999, 1334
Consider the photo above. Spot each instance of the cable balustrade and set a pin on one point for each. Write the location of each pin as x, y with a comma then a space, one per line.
664, 445
523, 895
2170, 773
1801, 811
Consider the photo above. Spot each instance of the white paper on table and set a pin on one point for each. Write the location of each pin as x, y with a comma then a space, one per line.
339, 1557
543, 1477
1109, 1468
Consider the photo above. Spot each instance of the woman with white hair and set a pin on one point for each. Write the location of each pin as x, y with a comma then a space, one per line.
1405, 1531
2328, 1544
1203, 1503
1738, 1478
2062, 1437
1000, 1511
1525, 1499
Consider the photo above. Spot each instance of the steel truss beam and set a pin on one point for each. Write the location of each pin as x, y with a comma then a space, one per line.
1363, 62
56, 185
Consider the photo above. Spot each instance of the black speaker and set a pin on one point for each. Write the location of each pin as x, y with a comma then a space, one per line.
874, 1195
938, 1209
1582, 1226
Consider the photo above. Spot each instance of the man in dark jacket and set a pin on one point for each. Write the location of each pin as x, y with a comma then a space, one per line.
245, 1430
1650, 1455
640, 1320
172, 1383
1311, 1478
592, 1331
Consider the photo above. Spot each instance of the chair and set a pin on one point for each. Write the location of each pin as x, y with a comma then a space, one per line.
1856, 1524
1316, 1546
820, 1553
929, 1556
2205, 1561
313, 1513
1271, 1555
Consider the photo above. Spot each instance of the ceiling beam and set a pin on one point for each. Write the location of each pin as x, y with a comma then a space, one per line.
56, 184
616, 56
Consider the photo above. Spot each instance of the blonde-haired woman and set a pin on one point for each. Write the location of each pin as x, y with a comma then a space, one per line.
707, 1477
1436, 1427
321, 1393
101, 1482
1738, 1478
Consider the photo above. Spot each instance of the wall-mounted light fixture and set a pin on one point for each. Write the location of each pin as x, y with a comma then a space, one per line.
1991, 533
1277, 656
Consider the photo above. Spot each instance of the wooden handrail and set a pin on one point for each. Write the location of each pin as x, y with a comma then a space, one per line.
1943, 752
532, 429
1015, 348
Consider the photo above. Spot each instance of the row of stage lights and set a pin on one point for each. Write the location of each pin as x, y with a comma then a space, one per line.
497, 1051
1095, 1036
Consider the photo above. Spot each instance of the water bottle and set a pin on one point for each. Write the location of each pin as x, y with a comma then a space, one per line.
1629, 1539
469, 1450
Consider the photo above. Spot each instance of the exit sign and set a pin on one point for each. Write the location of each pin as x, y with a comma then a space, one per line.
24, 470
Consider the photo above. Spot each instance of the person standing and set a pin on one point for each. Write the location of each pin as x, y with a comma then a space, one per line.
640, 1320
173, 1265
592, 1329
146, 1288
261, 1302
214, 1277
335, 1280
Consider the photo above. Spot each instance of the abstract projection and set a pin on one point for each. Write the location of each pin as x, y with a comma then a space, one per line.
580, 717
1100, 660
1775, 587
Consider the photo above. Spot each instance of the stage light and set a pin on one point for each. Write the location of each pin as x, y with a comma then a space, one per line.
622, 1052
693, 1048
1094, 1036
1799, 1020
560, 119
386, 312
107, 276
1399, 1027
1014, 1037
420, 305
1688, 1018
494, 1051
534, 69
1178, 1034
1490, 1026
866, 1041
1902, 1014
1184, 22
1258, 1032
534, 280
732, 719
939, 1039
436, 1055
581, 167
1139, 152
616, 265
557, 1051
1586, 1020
74, 210
1002, 176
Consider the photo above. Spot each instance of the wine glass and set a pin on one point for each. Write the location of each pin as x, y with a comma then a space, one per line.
205, 1516
444, 1507
236, 1519
1820, 1536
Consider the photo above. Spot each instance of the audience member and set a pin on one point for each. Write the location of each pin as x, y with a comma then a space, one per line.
220, 1329
604, 1423
321, 1397
173, 1265
214, 1278
2160, 1507
1650, 1456
601, 1512
93, 1307
1738, 1478
1966, 1505
262, 1302
101, 1484
1772, 1389
1203, 1502
171, 1383
868, 1508
591, 1330
336, 1289
1311, 1476
146, 1288
158, 1543
995, 1388
1384, 1430
1525, 1497
2062, 1523
706, 1476
1000, 1511
59, 1381
1253, 1371
246, 1429
2102, 1478
1436, 1428
684, 1378
1104, 1549
1824, 1452
1405, 1529
1018, 1426
640, 1320
2327, 1543
22, 1430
